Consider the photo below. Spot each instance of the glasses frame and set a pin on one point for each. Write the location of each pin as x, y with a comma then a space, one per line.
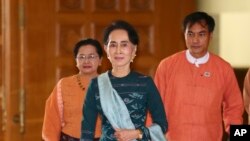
90, 57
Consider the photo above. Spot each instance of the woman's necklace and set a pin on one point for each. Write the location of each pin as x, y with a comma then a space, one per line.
79, 82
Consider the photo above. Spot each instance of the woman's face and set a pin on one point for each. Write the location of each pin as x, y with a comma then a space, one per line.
120, 50
87, 60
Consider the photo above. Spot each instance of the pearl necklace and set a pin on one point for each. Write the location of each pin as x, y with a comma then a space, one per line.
79, 82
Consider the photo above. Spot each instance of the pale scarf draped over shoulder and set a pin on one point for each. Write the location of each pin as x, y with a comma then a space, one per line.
116, 111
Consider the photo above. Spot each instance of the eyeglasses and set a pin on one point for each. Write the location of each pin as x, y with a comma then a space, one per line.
86, 57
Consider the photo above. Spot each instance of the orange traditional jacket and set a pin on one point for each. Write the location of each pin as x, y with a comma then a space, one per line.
198, 99
246, 94
63, 110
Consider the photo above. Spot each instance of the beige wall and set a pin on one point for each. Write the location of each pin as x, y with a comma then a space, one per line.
231, 38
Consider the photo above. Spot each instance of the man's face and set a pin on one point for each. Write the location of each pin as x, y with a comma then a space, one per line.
197, 38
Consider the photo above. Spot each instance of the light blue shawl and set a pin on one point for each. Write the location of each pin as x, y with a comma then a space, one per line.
116, 111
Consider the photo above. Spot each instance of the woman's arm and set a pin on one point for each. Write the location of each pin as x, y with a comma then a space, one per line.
156, 107
89, 114
52, 122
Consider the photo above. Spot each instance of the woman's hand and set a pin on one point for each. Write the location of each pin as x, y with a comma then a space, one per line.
126, 134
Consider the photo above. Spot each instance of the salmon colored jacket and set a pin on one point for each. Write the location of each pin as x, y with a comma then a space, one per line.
63, 110
198, 100
246, 94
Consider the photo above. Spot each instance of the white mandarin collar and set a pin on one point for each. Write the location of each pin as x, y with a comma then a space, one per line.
197, 61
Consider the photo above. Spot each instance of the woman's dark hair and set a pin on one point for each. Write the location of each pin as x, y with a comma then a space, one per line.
88, 41
199, 17
120, 24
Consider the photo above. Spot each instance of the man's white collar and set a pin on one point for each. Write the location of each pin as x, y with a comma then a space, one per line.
197, 61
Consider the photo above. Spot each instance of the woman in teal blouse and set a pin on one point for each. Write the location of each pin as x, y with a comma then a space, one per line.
121, 96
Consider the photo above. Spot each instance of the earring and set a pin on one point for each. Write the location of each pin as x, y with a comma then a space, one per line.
133, 58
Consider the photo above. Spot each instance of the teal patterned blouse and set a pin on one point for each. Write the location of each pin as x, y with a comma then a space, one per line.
139, 94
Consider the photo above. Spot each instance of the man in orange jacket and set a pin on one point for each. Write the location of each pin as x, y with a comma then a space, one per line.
198, 88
